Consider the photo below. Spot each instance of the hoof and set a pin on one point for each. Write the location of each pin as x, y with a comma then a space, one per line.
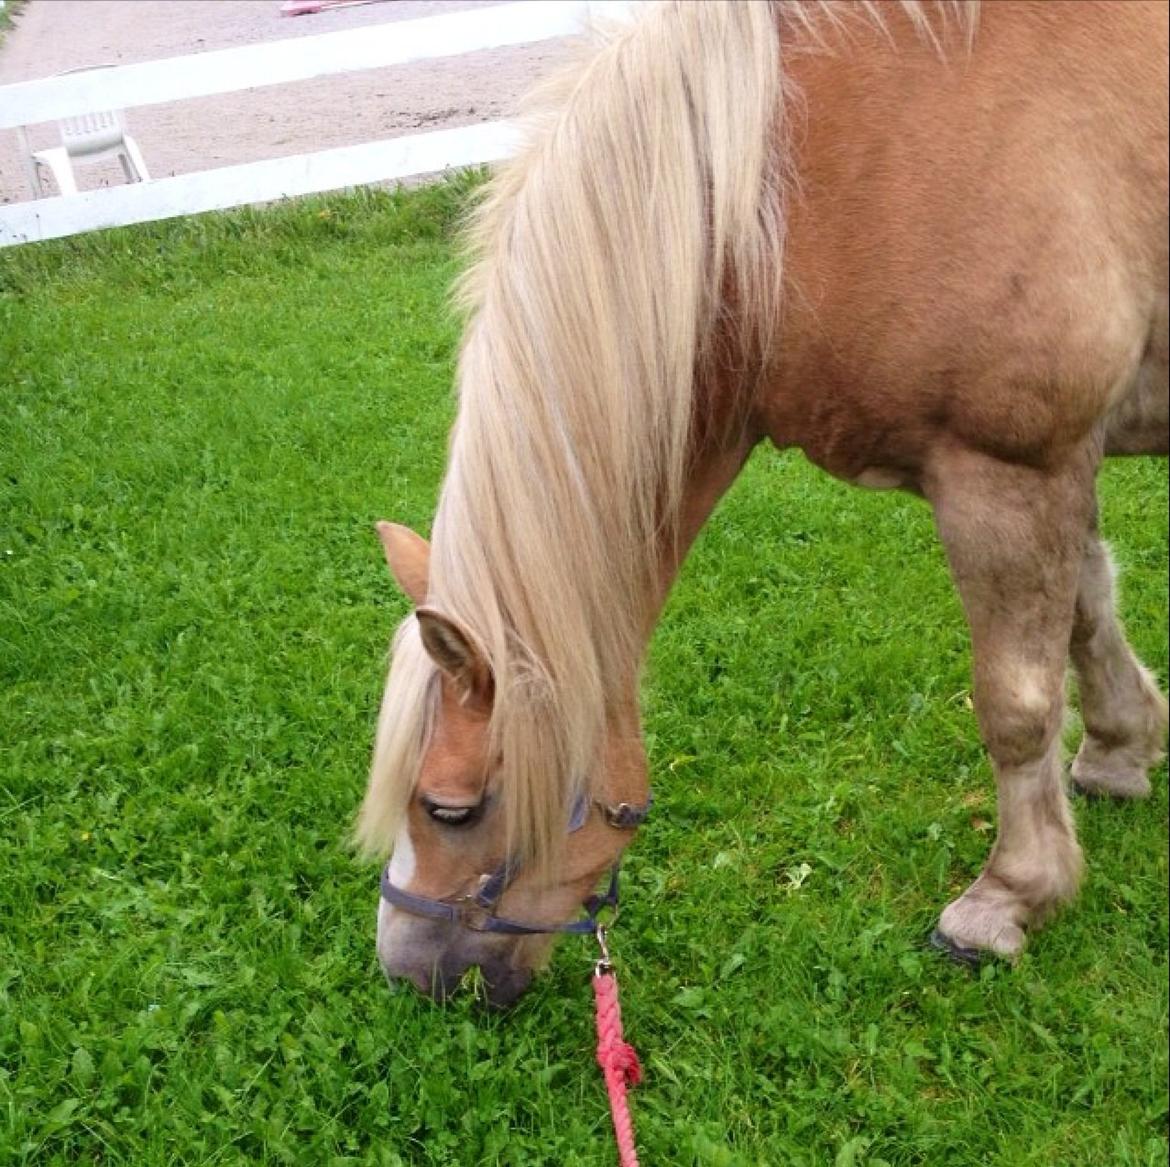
1115, 786
986, 918
970, 958
1121, 771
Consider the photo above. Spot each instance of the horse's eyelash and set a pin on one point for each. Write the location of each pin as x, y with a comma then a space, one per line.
451, 816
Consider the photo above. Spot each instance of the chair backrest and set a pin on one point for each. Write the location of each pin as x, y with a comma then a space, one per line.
90, 133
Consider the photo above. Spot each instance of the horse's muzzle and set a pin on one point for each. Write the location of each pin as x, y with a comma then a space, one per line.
502, 986
435, 957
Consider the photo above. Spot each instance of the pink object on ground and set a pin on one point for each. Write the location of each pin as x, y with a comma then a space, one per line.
619, 1063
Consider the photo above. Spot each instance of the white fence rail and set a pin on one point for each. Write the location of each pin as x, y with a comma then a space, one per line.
279, 62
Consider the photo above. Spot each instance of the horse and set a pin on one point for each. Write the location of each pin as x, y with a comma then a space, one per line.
923, 242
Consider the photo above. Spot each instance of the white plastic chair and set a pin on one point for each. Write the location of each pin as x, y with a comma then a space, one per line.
89, 137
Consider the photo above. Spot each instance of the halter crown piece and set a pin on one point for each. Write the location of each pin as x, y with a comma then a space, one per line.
477, 909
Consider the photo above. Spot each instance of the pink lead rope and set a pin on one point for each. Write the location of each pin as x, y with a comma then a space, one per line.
616, 1057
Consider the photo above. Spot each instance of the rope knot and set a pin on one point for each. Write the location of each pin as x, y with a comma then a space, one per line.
621, 1058
618, 1061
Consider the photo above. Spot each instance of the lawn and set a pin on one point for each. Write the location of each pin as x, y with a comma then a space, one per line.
201, 422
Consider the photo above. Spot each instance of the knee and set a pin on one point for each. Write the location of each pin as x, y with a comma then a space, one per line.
1019, 713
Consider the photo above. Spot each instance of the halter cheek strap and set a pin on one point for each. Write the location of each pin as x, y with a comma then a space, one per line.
476, 910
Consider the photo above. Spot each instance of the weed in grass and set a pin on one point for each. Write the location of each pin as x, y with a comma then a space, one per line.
202, 421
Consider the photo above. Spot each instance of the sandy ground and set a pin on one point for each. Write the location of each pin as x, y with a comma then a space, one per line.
54, 35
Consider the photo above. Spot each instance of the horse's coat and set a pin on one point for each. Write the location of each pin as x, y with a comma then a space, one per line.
925, 244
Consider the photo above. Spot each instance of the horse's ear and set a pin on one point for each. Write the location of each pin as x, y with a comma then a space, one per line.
409, 557
451, 648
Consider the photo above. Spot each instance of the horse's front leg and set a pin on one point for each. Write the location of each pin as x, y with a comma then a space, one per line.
1014, 537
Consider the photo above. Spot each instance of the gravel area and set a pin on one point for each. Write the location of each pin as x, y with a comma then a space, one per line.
176, 138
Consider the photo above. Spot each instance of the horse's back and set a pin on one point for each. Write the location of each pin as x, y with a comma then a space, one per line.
978, 246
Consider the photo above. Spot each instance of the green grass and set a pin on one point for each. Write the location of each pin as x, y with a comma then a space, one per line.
200, 423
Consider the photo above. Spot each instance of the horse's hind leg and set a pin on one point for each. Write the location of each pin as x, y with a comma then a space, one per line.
1125, 715
1014, 537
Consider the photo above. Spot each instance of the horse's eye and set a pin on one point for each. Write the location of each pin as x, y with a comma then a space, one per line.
452, 816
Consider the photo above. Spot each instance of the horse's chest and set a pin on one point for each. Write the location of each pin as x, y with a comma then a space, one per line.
853, 427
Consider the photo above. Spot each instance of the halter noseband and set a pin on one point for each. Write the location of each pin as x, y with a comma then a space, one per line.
477, 910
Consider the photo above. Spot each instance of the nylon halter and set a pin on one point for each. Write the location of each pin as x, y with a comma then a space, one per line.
477, 909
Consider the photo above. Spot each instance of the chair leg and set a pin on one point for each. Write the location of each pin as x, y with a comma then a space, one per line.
132, 161
58, 162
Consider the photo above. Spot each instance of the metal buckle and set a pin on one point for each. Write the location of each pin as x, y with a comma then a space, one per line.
618, 816
605, 964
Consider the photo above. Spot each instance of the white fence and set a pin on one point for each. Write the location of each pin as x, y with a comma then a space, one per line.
278, 62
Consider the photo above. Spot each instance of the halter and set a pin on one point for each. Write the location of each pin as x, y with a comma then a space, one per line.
476, 910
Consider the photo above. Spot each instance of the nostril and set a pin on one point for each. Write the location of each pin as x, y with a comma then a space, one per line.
437, 981
443, 979
505, 985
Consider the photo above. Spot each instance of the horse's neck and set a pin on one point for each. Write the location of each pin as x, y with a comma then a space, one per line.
625, 768
713, 473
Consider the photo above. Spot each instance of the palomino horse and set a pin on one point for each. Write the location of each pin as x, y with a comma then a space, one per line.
925, 244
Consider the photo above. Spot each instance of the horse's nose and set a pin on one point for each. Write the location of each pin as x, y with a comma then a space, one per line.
433, 956
502, 985
438, 980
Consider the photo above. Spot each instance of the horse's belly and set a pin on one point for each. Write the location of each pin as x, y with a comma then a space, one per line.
1140, 421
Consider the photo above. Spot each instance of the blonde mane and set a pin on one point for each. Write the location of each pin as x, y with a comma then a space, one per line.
648, 200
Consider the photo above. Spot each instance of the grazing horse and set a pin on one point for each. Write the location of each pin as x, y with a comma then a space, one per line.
927, 245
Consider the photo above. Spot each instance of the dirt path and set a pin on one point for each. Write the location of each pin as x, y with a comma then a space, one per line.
53, 35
